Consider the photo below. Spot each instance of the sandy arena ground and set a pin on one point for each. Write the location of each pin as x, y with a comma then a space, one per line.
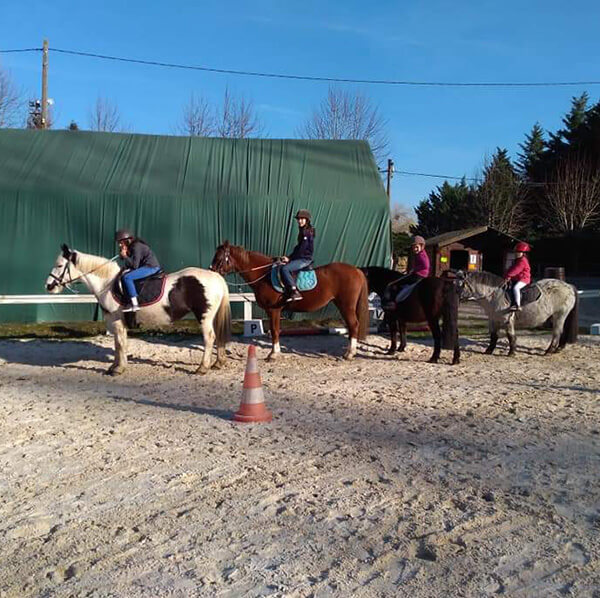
380, 477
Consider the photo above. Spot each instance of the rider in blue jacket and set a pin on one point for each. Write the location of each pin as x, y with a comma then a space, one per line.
301, 256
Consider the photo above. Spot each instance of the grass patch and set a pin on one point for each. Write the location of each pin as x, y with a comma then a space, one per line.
183, 328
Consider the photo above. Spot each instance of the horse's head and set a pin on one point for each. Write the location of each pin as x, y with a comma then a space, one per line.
475, 286
62, 273
223, 262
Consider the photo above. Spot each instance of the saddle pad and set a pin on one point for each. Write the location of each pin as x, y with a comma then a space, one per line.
306, 280
405, 291
529, 294
150, 290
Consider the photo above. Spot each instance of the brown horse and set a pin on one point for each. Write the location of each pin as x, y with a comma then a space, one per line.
343, 284
431, 299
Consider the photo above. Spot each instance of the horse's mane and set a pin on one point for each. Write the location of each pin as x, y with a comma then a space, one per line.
486, 278
99, 265
247, 255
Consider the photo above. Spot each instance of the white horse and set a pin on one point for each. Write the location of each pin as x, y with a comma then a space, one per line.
202, 292
558, 301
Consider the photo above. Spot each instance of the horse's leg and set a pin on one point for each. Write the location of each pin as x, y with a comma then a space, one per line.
512, 338
393, 326
348, 311
493, 337
274, 323
402, 330
209, 340
117, 328
558, 323
456, 354
221, 357
436, 332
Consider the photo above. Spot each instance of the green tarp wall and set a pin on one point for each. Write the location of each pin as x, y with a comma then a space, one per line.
184, 196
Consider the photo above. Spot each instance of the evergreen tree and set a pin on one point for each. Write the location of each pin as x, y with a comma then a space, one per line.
572, 122
501, 194
533, 148
449, 207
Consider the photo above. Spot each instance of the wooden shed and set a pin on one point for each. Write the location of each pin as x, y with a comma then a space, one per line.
471, 249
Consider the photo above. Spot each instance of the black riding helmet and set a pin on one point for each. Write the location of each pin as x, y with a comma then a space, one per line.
303, 214
123, 234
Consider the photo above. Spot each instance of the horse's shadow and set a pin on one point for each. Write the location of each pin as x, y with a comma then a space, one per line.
43, 353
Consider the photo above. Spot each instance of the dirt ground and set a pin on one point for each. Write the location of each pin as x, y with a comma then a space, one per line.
386, 476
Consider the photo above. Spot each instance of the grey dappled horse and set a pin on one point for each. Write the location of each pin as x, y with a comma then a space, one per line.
202, 292
558, 301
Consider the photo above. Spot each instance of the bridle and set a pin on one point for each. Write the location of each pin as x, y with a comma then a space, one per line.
60, 280
226, 258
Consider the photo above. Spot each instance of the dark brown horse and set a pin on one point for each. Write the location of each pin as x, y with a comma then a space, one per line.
343, 284
431, 299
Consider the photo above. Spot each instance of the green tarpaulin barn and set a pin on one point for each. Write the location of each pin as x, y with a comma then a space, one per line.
184, 196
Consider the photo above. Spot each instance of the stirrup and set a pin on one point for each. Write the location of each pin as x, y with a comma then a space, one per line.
131, 308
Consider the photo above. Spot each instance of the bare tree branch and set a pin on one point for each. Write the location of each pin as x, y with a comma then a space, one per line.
348, 115
198, 118
237, 118
572, 195
105, 116
11, 102
500, 198
402, 218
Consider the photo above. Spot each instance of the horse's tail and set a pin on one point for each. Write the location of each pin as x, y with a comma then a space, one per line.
222, 321
449, 315
362, 309
571, 327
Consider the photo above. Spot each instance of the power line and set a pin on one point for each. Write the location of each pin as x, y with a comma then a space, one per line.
313, 77
21, 50
438, 176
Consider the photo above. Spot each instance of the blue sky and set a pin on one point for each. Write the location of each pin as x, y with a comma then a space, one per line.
435, 130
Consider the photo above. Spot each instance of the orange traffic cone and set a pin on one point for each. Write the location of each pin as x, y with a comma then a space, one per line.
252, 407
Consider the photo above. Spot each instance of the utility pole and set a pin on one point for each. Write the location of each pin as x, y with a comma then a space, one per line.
390, 174
44, 122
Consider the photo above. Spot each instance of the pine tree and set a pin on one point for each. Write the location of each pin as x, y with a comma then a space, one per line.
501, 194
533, 148
449, 207
572, 122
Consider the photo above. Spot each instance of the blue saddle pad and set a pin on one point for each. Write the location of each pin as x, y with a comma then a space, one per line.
306, 280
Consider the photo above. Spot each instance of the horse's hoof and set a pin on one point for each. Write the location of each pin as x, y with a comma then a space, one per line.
511, 354
390, 351
433, 360
489, 351
114, 371
455, 361
272, 356
218, 365
202, 370
348, 356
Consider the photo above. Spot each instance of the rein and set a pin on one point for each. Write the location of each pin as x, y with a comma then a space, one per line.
67, 270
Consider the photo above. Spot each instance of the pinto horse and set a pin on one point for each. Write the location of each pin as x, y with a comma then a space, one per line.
343, 284
201, 292
431, 299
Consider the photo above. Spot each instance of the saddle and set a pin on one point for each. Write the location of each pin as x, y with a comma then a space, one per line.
306, 279
150, 289
529, 294
406, 290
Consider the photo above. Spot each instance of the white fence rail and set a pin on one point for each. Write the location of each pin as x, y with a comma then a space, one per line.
246, 298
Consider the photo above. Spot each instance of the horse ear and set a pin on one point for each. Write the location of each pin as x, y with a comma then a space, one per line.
225, 243
65, 251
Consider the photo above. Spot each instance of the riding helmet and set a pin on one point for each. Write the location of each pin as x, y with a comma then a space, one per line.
521, 246
418, 240
303, 214
123, 234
